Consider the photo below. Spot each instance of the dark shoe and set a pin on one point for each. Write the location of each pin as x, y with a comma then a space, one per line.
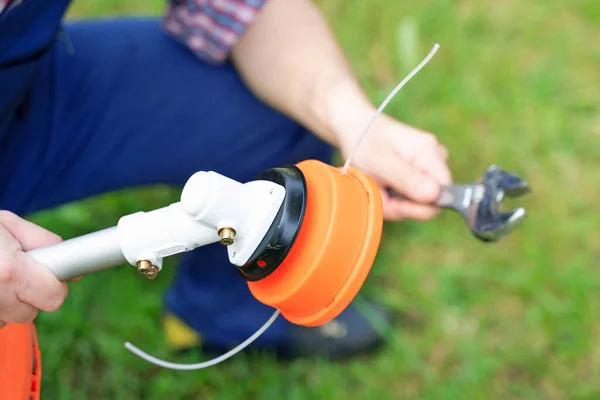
349, 335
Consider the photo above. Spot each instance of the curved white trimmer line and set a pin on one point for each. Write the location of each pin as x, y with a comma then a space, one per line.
204, 364
385, 103
261, 330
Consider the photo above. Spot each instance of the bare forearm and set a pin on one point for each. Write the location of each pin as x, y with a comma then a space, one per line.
291, 60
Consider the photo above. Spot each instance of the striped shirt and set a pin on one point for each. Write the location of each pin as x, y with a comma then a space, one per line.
210, 28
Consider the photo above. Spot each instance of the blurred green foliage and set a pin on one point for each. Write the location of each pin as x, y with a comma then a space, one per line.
514, 83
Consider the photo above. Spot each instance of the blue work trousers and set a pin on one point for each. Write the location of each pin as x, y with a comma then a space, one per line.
131, 106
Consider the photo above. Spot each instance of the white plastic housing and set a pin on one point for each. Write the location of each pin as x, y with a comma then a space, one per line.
161, 233
220, 202
209, 201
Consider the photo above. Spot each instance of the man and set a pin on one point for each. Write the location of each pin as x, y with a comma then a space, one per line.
229, 85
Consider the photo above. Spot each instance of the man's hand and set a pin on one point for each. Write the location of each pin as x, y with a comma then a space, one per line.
398, 156
290, 59
26, 286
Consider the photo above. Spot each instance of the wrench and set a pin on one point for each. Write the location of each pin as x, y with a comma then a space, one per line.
479, 203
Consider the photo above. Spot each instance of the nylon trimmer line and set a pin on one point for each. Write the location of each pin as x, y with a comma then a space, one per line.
386, 101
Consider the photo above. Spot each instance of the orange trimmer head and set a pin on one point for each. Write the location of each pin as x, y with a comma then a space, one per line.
320, 249
310, 265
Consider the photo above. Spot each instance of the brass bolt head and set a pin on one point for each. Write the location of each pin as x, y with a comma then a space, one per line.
146, 268
151, 273
227, 235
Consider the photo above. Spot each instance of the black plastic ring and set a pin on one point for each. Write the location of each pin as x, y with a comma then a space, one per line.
282, 234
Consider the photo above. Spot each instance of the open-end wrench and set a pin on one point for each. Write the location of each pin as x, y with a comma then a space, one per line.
479, 203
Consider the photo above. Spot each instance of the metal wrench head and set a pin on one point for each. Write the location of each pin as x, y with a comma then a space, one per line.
486, 219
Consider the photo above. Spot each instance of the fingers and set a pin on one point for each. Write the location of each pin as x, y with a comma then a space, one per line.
11, 308
38, 286
396, 209
29, 235
418, 178
433, 164
411, 182
26, 286
17, 312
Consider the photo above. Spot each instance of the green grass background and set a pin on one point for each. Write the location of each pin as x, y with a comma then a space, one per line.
514, 83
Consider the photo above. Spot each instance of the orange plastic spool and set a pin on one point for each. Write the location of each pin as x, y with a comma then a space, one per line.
334, 250
20, 363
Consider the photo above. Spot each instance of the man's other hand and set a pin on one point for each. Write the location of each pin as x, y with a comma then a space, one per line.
26, 286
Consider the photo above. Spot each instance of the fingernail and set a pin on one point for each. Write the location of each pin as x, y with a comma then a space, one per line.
427, 189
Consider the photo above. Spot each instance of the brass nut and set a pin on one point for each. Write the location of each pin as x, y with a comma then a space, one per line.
146, 268
151, 273
227, 235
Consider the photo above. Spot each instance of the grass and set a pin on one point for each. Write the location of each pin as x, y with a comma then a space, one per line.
514, 83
